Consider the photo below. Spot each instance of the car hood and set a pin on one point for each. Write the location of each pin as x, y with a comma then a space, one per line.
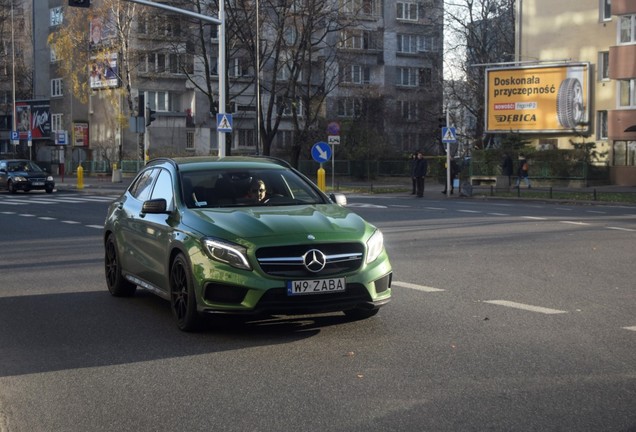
29, 174
325, 222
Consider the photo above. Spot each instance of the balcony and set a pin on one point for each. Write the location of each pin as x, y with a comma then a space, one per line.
619, 120
622, 61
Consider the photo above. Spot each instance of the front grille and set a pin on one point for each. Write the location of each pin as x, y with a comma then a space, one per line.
287, 261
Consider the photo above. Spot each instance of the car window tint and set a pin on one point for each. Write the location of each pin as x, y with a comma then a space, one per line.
163, 187
141, 188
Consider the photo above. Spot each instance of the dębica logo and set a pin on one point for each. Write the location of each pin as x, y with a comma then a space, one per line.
516, 118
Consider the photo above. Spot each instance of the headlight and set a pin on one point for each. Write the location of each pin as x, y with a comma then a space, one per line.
49, 178
19, 179
375, 244
229, 253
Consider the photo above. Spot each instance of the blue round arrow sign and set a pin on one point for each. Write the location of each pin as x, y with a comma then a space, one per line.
321, 152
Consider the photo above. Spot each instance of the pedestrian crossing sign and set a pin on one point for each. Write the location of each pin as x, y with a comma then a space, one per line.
449, 135
224, 122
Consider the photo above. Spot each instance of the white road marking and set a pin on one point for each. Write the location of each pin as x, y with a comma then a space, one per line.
498, 214
527, 307
563, 208
435, 208
596, 211
47, 218
574, 223
70, 222
26, 215
534, 218
468, 211
8, 213
95, 226
416, 287
633, 328
620, 229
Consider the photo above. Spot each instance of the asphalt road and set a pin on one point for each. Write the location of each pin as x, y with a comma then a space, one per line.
506, 317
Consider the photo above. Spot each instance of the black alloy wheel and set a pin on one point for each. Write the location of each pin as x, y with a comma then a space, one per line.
117, 284
182, 297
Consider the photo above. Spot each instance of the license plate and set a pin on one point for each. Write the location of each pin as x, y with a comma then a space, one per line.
38, 183
315, 286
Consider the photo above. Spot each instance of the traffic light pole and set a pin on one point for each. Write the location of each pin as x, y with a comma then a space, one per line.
448, 158
221, 23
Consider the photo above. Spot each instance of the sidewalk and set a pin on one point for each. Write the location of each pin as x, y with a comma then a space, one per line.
92, 184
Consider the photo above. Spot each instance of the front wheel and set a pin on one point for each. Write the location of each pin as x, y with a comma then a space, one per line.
11, 187
182, 298
117, 284
49, 190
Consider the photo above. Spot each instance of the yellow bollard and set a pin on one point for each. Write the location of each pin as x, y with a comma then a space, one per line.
80, 177
321, 178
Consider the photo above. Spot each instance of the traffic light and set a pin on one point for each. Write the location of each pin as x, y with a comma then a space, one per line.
150, 116
80, 3
141, 106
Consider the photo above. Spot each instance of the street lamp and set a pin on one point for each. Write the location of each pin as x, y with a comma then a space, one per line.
258, 78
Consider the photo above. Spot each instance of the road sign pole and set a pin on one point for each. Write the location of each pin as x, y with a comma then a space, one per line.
448, 165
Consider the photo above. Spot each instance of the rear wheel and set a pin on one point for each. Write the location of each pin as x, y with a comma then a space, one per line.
182, 298
117, 284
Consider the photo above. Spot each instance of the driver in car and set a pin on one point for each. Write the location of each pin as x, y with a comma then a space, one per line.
257, 191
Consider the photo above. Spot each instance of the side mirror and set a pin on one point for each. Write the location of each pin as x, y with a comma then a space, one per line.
339, 199
154, 206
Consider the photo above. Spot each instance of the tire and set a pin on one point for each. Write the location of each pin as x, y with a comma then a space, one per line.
183, 300
360, 314
49, 190
117, 284
570, 108
11, 187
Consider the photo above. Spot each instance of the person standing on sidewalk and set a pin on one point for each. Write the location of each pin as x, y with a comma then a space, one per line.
412, 168
522, 172
419, 172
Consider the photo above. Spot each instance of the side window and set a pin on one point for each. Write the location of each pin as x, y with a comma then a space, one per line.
141, 188
163, 188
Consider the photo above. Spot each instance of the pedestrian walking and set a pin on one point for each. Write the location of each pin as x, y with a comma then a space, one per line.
506, 167
522, 172
419, 172
412, 168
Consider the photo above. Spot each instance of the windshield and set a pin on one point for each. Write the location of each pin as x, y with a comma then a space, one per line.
250, 187
22, 166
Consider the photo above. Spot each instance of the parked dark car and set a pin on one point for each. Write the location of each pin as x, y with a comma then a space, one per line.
24, 175
242, 235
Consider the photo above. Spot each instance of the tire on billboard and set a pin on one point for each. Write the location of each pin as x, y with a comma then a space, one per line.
570, 108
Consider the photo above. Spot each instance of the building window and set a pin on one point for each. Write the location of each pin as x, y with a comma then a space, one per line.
349, 107
406, 43
427, 43
603, 66
601, 125
56, 122
407, 77
246, 137
284, 139
407, 11
356, 74
288, 106
56, 16
56, 87
626, 33
425, 77
626, 93
624, 153
163, 101
408, 110
605, 10
189, 140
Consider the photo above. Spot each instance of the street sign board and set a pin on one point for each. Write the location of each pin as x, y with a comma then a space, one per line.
333, 139
449, 135
321, 152
224, 122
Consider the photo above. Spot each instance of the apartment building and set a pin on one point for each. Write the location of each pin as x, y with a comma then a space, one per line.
603, 34
386, 62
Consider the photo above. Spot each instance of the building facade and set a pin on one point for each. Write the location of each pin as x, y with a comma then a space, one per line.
603, 34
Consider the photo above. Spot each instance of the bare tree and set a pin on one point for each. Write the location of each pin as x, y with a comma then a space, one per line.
479, 33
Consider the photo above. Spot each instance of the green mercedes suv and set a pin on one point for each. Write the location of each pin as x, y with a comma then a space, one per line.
242, 235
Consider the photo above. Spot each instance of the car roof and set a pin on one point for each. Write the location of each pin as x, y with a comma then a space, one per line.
196, 163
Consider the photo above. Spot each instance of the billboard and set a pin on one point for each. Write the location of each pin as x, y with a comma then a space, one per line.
33, 116
103, 72
538, 99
